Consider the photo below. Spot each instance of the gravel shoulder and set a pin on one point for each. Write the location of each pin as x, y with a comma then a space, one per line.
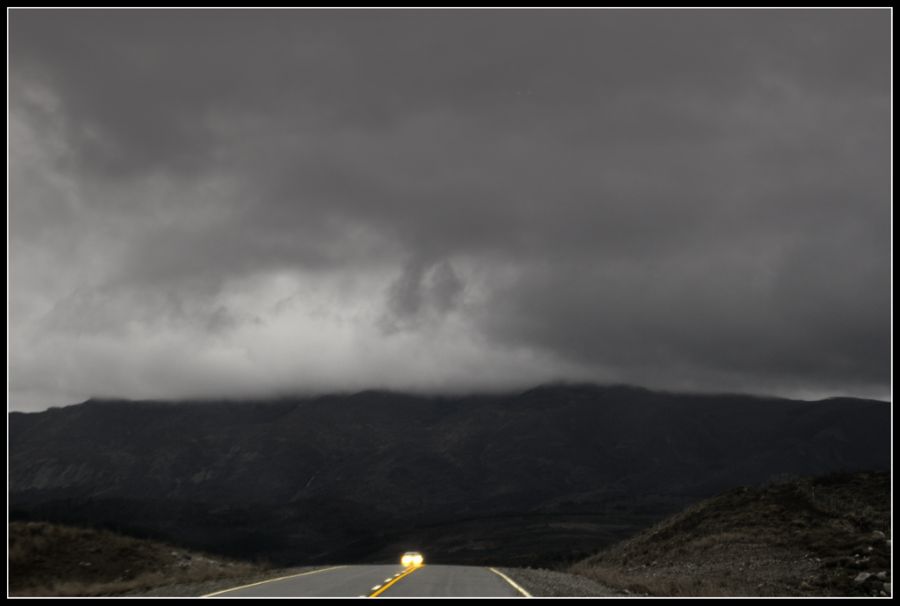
547, 583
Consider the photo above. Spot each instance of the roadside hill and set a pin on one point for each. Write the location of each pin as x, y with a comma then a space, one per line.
825, 536
51, 560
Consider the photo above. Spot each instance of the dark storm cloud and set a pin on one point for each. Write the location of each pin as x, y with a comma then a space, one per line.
679, 198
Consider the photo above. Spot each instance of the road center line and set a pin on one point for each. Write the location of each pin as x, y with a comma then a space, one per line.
384, 587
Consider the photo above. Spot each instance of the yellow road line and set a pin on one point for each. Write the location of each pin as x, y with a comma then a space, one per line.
515, 585
384, 587
290, 576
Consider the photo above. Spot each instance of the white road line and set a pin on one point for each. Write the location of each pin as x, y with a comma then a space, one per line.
376, 587
290, 576
515, 585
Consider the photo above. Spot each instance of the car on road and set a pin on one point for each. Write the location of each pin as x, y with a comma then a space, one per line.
412, 558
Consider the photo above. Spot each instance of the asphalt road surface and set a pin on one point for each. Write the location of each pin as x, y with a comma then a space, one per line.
384, 581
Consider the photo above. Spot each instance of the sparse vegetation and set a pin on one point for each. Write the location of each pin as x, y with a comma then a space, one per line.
810, 536
54, 560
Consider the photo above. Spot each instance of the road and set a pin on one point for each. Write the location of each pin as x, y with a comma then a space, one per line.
384, 580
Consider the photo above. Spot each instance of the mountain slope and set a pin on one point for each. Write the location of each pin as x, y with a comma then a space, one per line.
342, 477
824, 536
49, 560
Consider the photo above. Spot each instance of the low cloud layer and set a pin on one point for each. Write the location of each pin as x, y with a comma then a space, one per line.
231, 203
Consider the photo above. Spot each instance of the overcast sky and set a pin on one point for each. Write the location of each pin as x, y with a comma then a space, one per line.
220, 203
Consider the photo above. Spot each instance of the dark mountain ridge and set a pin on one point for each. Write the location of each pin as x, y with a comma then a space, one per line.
512, 478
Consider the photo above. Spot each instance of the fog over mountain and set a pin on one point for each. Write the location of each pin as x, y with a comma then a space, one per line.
254, 203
